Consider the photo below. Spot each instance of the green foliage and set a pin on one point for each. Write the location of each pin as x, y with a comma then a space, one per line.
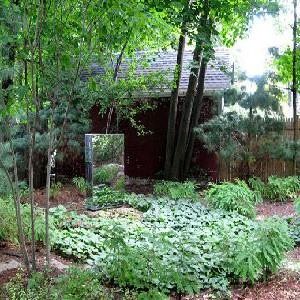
55, 189
277, 188
176, 190
233, 197
81, 184
105, 174
120, 184
108, 148
270, 241
228, 134
23, 189
294, 223
5, 188
179, 245
76, 284
104, 197
140, 202
297, 205
8, 224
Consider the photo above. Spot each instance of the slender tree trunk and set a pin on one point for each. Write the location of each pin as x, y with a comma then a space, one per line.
18, 210
295, 87
184, 126
249, 167
173, 105
48, 187
195, 116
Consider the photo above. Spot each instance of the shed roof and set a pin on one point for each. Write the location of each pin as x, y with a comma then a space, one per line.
216, 79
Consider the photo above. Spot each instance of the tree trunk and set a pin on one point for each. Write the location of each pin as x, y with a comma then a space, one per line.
173, 106
195, 116
184, 126
18, 210
48, 186
295, 88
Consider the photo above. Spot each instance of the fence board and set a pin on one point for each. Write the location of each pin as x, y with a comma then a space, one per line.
262, 168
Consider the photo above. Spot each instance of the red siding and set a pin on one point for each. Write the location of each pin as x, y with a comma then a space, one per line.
144, 155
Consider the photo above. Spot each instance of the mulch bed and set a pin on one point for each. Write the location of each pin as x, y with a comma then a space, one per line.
281, 209
282, 286
68, 196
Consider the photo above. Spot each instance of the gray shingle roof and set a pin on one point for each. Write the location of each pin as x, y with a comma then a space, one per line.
216, 78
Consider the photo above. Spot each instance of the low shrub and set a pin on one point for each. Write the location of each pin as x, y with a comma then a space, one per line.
232, 197
176, 190
276, 188
105, 197
105, 174
8, 225
120, 184
263, 251
81, 184
55, 189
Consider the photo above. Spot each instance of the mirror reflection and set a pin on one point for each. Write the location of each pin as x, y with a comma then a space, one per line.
104, 155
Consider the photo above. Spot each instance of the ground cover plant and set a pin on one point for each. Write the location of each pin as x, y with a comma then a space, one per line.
178, 245
276, 188
233, 196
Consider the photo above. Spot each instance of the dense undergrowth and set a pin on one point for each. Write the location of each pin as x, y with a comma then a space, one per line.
276, 188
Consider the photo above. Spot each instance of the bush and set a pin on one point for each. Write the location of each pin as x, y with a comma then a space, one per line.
179, 245
233, 197
81, 184
55, 189
8, 224
176, 190
277, 188
270, 241
105, 197
105, 174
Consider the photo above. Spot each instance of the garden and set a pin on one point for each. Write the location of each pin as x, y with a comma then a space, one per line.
176, 241
139, 158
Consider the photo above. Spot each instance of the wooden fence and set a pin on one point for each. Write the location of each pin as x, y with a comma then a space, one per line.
262, 168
